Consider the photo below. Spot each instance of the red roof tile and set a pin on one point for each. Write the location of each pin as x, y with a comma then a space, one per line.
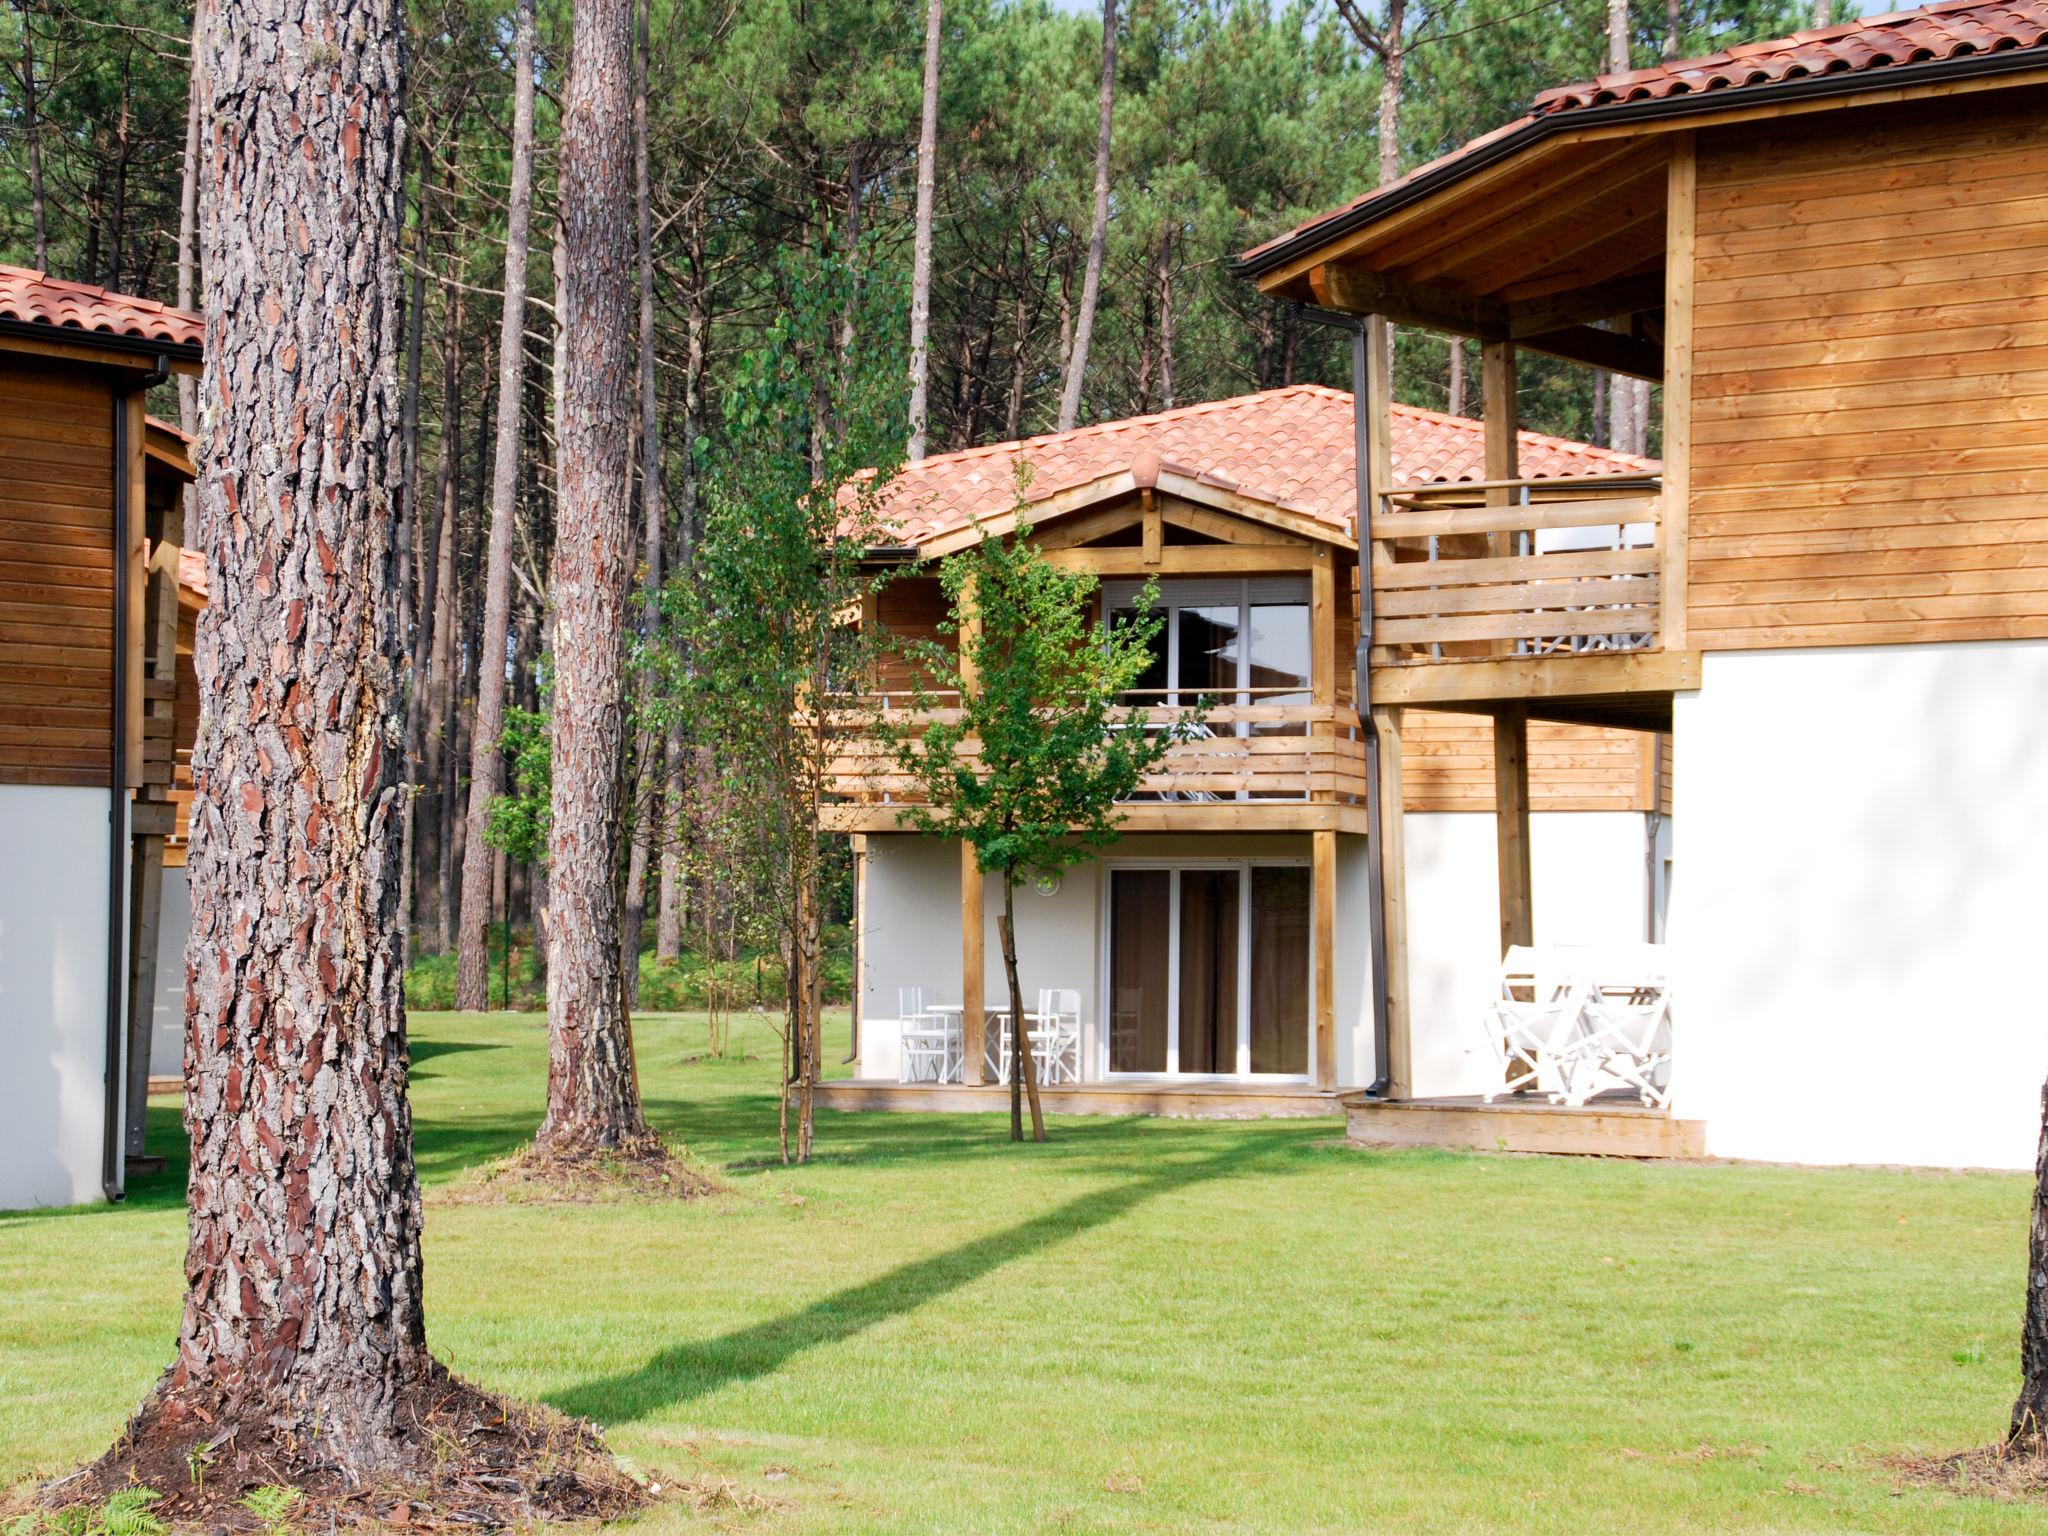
1952, 29
33, 297
1290, 448
1943, 31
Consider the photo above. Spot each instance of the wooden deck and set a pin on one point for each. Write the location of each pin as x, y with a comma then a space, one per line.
1599, 1129
1185, 1101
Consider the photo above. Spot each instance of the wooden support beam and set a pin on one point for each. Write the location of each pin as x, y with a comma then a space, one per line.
1355, 291
1322, 629
1612, 350
1511, 815
1152, 533
1398, 1068
1183, 559
145, 912
1323, 913
1604, 301
1681, 221
973, 939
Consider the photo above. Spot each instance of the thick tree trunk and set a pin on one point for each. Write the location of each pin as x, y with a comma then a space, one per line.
188, 229
303, 1306
2030, 1412
1098, 232
1454, 388
921, 260
1023, 1070
487, 757
593, 1096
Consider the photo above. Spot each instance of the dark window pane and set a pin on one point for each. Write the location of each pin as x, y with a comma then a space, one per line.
1208, 970
1154, 676
1140, 911
1208, 651
1280, 979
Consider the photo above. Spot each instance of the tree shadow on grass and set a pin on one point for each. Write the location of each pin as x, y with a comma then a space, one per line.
686, 1371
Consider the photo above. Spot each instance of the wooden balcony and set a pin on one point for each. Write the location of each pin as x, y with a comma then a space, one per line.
1252, 765
1521, 589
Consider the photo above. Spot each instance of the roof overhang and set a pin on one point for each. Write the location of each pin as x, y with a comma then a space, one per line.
1285, 267
70, 343
1170, 480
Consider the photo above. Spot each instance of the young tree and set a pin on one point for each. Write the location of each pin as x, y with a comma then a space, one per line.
1039, 686
593, 1088
1098, 232
788, 514
486, 759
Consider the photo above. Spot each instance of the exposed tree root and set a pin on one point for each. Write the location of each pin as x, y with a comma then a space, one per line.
641, 1169
463, 1457
2000, 1471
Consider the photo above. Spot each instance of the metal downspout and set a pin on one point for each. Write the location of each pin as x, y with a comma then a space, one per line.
112, 1163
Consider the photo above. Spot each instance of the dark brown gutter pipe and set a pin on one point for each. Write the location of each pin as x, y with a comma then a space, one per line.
111, 1161
1375, 851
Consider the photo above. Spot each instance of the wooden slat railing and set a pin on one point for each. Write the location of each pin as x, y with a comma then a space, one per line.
1453, 580
1252, 751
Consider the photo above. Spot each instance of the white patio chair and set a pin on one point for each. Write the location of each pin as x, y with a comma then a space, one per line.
925, 1043
1056, 1036
1627, 1042
1533, 1027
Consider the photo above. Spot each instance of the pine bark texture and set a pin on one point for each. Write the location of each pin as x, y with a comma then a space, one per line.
593, 1098
921, 260
303, 1265
486, 760
2030, 1411
1098, 233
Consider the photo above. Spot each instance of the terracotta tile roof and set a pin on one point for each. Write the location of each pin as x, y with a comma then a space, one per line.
1943, 31
1290, 448
32, 296
1950, 30
192, 570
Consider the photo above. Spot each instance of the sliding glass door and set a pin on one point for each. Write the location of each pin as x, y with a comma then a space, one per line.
1208, 969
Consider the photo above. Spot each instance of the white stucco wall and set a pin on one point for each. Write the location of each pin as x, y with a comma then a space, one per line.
1588, 877
1857, 909
167, 1016
53, 997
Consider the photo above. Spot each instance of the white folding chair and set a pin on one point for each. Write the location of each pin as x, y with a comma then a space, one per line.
1627, 1043
1056, 1041
925, 1043
1532, 1027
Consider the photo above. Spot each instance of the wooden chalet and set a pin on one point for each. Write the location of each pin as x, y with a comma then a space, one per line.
1243, 856
92, 720
1829, 254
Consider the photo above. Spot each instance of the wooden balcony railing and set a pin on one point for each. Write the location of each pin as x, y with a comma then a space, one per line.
1515, 568
1248, 751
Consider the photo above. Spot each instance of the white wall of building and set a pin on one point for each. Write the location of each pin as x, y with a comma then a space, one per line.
167, 1015
1857, 910
53, 994
1588, 874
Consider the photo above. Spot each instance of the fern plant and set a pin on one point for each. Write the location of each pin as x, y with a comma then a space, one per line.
273, 1505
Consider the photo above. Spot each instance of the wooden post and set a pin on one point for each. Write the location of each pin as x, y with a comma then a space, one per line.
1152, 526
973, 938
1681, 220
1323, 914
1322, 665
1398, 1067
1511, 817
1503, 426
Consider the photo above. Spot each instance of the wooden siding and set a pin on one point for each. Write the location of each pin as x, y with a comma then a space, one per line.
1870, 393
1447, 765
911, 609
56, 575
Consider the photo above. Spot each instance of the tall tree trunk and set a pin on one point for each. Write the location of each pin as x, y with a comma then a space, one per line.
1674, 26
303, 1317
33, 129
1023, 1071
1098, 230
487, 756
1823, 13
648, 759
1165, 279
123, 147
1629, 399
188, 232
669, 917
921, 260
2030, 1411
439, 592
1454, 388
593, 1095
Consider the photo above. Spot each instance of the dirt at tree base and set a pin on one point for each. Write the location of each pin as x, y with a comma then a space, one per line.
644, 1168
2000, 1471
468, 1458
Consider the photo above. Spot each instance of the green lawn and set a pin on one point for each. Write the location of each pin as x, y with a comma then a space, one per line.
1147, 1325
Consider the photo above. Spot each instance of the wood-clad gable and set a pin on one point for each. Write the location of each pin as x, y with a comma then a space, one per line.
1447, 764
1869, 405
56, 574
